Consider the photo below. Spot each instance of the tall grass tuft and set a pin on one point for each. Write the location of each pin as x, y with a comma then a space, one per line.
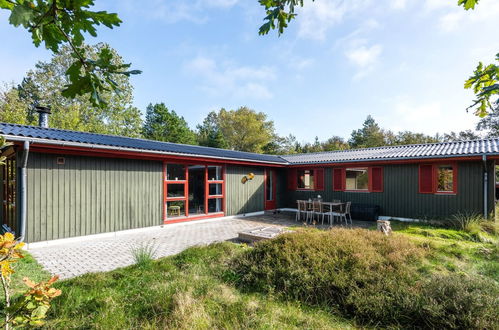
144, 254
468, 222
473, 224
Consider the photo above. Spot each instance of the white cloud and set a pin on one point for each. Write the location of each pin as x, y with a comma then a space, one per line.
428, 116
226, 79
453, 17
316, 18
363, 57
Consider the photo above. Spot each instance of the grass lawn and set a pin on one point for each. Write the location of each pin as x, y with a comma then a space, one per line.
193, 289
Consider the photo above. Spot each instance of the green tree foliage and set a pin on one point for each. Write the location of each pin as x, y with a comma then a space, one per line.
281, 145
209, 133
162, 124
12, 108
463, 136
485, 85
44, 85
56, 23
245, 129
408, 137
370, 135
279, 14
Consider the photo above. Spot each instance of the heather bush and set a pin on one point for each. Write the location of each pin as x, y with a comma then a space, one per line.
458, 301
365, 275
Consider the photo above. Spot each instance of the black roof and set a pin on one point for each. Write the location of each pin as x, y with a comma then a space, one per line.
125, 142
413, 151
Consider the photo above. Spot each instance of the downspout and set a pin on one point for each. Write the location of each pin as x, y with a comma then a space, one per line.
485, 187
23, 211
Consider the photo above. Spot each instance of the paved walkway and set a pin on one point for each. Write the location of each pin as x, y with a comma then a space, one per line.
71, 259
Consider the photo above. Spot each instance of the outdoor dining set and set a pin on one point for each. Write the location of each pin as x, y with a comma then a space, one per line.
317, 209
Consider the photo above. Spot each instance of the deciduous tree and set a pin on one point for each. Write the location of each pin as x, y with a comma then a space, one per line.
245, 129
44, 85
56, 23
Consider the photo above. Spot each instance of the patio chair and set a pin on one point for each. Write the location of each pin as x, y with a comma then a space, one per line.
301, 208
345, 213
316, 209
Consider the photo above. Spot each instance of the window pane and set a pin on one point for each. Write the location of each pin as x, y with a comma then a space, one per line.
175, 209
215, 205
357, 179
214, 172
215, 189
305, 179
175, 172
445, 178
196, 189
269, 186
175, 190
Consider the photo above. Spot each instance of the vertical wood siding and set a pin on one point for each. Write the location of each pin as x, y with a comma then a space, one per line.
90, 195
400, 197
243, 198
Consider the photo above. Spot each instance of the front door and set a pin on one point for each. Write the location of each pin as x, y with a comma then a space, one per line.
270, 191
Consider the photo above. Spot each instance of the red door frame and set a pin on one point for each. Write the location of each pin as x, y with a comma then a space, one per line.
270, 204
185, 198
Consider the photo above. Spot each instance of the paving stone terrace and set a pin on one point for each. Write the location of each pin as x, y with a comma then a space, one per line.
70, 259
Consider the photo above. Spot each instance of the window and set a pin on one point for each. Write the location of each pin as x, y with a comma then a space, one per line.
305, 179
357, 179
438, 178
192, 190
367, 179
175, 172
214, 173
445, 178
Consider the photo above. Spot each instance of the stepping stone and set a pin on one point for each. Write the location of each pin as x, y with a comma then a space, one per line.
260, 233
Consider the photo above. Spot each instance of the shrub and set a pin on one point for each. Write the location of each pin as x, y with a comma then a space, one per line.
458, 302
144, 253
364, 275
329, 267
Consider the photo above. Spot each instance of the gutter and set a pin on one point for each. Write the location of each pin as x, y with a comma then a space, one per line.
485, 187
140, 151
23, 183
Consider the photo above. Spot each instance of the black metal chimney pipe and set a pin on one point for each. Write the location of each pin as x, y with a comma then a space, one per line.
43, 115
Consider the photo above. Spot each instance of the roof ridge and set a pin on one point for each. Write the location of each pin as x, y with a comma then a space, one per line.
392, 146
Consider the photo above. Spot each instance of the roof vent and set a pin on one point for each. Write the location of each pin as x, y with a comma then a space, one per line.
43, 115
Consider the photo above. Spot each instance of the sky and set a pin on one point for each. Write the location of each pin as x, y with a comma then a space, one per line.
402, 61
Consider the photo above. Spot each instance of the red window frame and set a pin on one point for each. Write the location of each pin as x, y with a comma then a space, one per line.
375, 180
185, 198
423, 178
318, 174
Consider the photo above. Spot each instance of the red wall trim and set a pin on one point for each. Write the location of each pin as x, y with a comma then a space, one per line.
386, 162
204, 216
36, 147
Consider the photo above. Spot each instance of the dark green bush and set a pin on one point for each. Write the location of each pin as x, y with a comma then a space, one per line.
458, 302
363, 275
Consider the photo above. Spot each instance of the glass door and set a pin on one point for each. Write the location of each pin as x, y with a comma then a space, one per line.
270, 190
193, 191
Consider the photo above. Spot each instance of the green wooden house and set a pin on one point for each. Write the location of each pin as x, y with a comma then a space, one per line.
59, 184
